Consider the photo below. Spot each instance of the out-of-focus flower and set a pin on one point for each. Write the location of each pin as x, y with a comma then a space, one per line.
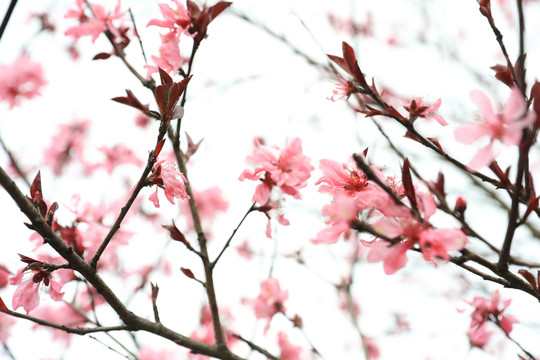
205, 333
505, 127
22, 79
66, 144
116, 155
488, 310
270, 301
288, 351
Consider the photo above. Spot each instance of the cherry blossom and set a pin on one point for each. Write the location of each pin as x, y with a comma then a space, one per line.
288, 170
488, 310
344, 89
169, 58
505, 127
62, 314
205, 333
24, 78
341, 212
270, 301
6, 322
27, 293
116, 155
288, 351
417, 109
166, 176
66, 144
94, 25
173, 19
209, 202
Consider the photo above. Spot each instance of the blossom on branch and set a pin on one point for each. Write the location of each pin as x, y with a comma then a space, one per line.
288, 351
488, 310
270, 301
167, 177
344, 89
288, 170
505, 127
22, 79
27, 293
417, 109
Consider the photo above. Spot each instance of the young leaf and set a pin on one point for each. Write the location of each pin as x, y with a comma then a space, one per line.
408, 184
188, 273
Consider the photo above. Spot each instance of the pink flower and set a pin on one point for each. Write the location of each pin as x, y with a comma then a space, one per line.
27, 294
488, 310
288, 351
416, 109
174, 20
67, 143
22, 79
341, 212
4, 276
341, 178
343, 89
270, 301
505, 127
116, 155
289, 170
169, 58
6, 322
166, 176
96, 24
62, 315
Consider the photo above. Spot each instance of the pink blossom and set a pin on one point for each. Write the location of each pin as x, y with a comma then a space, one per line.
169, 58
393, 256
417, 109
288, 351
344, 89
166, 176
288, 170
26, 294
488, 310
6, 322
22, 79
174, 20
66, 144
94, 25
341, 178
270, 301
341, 212
116, 155
505, 127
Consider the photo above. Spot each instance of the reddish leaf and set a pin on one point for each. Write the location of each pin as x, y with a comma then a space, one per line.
407, 183
131, 100
188, 273
410, 135
192, 146
159, 146
218, 9
505, 182
439, 185
102, 56
2, 305
503, 74
165, 78
155, 292
533, 201
177, 235
461, 206
28, 260
529, 277
535, 92
35, 188
193, 9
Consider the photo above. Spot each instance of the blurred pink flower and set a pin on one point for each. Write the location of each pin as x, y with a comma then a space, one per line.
270, 301
147, 353
289, 170
95, 24
174, 20
488, 310
22, 79
4, 276
165, 175
63, 314
341, 212
169, 58
66, 144
288, 351
505, 127
205, 333
6, 322
210, 203
116, 155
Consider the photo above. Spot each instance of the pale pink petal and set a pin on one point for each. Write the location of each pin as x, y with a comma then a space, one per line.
483, 158
483, 103
467, 134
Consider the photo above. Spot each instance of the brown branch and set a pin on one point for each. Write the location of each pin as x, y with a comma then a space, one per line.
257, 348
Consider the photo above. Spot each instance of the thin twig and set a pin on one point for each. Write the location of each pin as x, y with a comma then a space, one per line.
5, 21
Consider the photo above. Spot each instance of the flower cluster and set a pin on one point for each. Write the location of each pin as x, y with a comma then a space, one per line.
488, 310
22, 79
270, 301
